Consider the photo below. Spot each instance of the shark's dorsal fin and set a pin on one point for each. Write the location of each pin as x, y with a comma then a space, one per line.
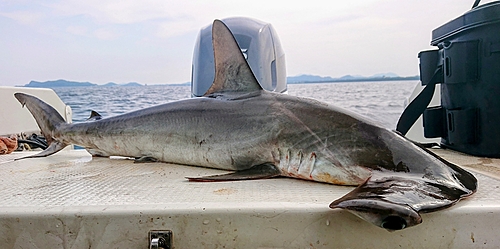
232, 72
94, 116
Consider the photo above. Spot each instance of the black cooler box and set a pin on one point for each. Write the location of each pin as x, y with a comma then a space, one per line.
467, 64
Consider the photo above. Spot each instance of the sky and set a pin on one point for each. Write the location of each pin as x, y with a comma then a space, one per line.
152, 41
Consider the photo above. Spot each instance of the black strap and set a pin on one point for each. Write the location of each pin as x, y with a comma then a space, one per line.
419, 104
476, 3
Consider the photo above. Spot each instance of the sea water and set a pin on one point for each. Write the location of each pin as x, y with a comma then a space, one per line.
382, 101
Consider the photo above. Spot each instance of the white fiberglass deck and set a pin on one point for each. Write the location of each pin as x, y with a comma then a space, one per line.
71, 200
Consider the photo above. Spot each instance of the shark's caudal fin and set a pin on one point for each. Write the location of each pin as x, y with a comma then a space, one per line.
232, 72
47, 118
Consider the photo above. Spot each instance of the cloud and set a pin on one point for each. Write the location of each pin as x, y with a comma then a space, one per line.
170, 29
105, 34
77, 30
155, 38
123, 11
174, 17
23, 17
163, 18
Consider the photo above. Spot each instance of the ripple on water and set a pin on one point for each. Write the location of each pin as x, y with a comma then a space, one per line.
381, 101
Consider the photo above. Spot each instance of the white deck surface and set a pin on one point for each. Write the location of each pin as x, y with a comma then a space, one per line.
71, 200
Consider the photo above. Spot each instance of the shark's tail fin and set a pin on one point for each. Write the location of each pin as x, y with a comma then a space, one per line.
47, 118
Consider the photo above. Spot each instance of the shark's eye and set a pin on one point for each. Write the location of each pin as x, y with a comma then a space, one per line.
393, 223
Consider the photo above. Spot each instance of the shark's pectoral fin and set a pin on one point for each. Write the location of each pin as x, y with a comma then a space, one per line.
394, 201
261, 171
53, 148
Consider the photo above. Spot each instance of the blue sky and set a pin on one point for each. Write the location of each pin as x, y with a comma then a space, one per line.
152, 41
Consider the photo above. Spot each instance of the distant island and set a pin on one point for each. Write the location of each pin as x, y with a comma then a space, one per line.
65, 83
300, 79
306, 78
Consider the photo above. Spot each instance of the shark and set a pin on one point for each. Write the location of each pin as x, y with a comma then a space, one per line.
257, 134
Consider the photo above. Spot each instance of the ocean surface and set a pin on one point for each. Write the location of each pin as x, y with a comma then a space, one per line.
382, 101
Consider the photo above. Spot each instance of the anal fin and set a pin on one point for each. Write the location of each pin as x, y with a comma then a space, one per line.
146, 159
261, 171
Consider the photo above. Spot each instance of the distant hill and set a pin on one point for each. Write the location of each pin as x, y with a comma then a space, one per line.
125, 84
58, 83
66, 83
306, 78
110, 84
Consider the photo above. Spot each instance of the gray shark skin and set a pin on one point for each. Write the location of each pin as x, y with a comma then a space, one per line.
257, 134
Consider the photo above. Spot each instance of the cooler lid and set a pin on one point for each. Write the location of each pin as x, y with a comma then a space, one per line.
478, 16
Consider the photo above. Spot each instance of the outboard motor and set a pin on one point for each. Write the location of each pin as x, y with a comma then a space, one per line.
259, 44
467, 65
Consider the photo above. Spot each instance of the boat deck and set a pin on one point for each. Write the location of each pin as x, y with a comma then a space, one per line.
71, 200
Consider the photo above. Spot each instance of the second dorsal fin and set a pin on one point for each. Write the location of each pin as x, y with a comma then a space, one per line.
94, 116
232, 72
